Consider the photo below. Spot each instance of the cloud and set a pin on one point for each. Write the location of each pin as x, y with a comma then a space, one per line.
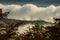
31, 11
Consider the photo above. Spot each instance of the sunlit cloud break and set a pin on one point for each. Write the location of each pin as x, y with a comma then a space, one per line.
31, 12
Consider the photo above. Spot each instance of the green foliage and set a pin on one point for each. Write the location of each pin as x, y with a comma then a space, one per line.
37, 32
9, 32
34, 33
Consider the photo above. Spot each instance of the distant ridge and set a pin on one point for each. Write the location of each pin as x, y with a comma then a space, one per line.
14, 21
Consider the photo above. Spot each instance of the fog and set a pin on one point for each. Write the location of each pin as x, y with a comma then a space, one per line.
31, 12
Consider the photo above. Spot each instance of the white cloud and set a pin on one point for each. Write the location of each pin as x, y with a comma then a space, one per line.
27, 11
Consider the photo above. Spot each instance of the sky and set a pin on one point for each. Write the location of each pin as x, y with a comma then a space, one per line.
36, 2
31, 9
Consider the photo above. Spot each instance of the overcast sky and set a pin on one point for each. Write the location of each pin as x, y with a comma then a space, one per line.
37, 2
